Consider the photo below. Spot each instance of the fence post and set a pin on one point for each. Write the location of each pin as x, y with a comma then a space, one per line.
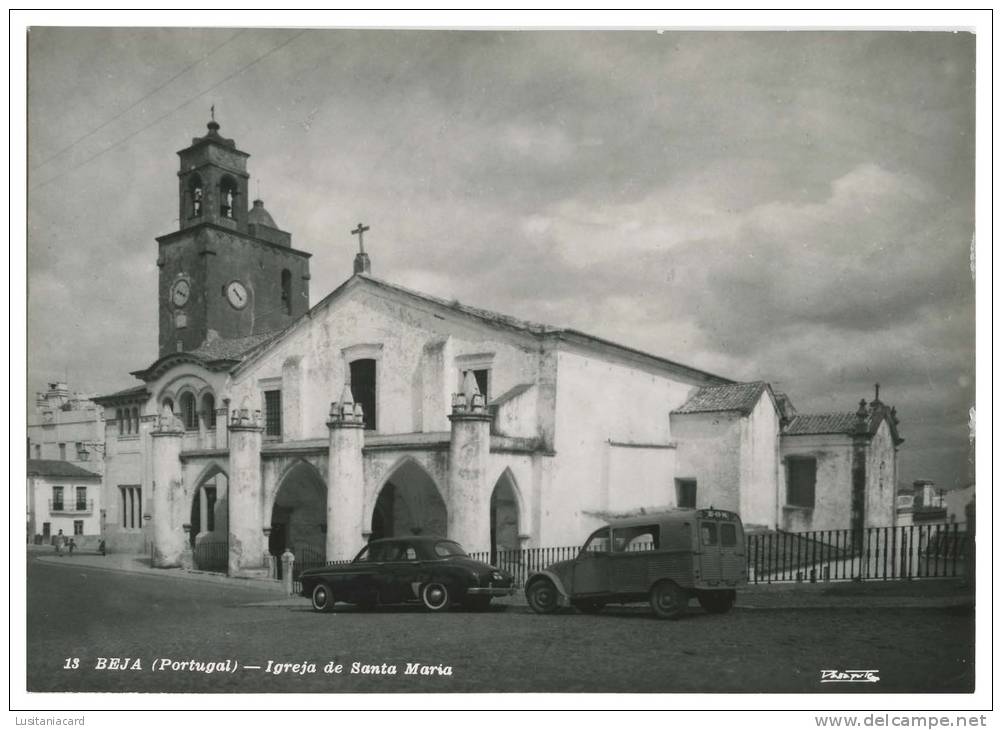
904, 572
288, 559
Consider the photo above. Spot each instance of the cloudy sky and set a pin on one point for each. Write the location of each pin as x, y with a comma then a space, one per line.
794, 207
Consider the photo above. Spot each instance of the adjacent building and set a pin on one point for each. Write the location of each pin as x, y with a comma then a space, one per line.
266, 423
63, 497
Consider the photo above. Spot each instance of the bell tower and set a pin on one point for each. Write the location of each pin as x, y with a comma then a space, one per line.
229, 271
213, 181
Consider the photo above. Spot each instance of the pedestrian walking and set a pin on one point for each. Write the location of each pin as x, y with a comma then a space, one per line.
59, 542
73, 545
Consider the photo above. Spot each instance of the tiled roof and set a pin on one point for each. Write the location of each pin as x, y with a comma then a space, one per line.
56, 468
135, 390
712, 398
230, 349
819, 423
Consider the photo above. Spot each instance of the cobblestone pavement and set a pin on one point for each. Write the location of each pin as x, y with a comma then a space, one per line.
77, 611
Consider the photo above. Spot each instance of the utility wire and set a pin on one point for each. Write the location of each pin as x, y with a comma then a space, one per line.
164, 116
94, 131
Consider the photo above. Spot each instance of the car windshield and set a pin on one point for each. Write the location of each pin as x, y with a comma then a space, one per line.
447, 548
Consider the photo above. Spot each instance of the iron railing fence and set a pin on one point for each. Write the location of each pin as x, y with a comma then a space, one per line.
874, 553
212, 555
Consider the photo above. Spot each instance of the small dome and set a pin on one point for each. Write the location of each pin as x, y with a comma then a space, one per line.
259, 216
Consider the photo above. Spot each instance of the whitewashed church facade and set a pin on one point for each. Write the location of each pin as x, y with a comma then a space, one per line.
383, 411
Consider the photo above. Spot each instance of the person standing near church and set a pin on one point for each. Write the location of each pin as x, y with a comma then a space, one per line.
60, 541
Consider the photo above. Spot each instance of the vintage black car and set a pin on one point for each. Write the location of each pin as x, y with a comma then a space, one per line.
432, 570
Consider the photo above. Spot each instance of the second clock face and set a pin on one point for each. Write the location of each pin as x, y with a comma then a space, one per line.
236, 294
180, 292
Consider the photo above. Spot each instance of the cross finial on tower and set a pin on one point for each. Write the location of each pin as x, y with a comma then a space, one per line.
212, 112
876, 391
358, 232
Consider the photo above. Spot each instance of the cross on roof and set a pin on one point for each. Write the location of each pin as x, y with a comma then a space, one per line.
358, 232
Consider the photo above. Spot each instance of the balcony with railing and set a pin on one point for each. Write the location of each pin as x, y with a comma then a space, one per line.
78, 507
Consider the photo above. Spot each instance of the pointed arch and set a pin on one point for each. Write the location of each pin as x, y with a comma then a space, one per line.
298, 512
408, 502
506, 514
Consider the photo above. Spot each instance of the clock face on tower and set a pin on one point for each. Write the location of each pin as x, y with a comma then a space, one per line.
180, 292
236, 294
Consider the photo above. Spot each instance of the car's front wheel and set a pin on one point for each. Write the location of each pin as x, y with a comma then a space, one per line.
668, 599
435, 596
541, 595
323, 598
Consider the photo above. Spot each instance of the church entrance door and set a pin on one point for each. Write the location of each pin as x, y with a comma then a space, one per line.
504, 519
409, 504
299, 516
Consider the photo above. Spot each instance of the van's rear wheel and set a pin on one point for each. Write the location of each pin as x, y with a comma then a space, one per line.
668, 599
717, 601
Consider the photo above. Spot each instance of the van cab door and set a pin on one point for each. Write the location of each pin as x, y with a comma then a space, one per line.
591, 567
709, 552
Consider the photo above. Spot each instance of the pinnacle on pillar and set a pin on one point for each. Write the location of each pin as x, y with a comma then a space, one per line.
470, 402
345, 412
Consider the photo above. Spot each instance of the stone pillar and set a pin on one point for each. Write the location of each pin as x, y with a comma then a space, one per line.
469, 493
203, 510
168, 538
221, 425
345, 479
244, 498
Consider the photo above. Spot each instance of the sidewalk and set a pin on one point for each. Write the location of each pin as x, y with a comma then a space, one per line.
929, 593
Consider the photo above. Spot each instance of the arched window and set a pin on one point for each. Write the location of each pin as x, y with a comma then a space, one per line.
209, 410
227, 197
287, 291
196, 193
189, 413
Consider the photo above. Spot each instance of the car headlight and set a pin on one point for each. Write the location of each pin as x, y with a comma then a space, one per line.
498, 575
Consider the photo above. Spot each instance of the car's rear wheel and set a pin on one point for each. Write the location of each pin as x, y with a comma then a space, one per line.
541, 595
589, 606
668, 599
716, 601
323, 598
435, 596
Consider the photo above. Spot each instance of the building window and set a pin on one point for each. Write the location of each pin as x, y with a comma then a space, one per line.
209, 410
685, 492
81, 499
189, 413
46, 530
38, 451
57, 499
801, 476
363, 389
62, 452
132, 506
483, 378
273, 413
287, 291
135, 420
77, 527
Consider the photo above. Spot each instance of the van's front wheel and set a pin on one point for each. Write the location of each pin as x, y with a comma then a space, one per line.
668, 599
717, 601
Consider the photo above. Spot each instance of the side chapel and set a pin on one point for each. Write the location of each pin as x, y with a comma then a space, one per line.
266, 423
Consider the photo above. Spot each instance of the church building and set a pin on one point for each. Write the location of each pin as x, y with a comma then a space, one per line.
265, 423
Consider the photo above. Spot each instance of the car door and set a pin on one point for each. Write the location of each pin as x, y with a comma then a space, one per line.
359, 582
398, 569
591, 567
632, 549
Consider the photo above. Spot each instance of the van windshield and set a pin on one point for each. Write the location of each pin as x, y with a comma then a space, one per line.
598, 542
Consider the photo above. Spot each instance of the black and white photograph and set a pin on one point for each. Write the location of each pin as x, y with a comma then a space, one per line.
411, 359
